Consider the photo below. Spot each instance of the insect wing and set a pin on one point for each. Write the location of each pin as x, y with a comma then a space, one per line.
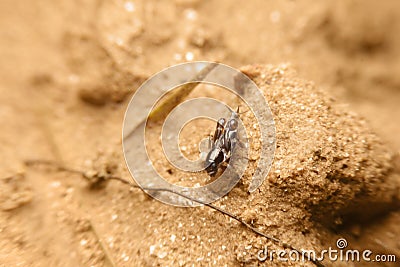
219, 130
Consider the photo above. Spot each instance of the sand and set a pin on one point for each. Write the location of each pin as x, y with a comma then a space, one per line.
328, 70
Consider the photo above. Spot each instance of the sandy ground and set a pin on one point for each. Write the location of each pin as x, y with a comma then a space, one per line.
68, 70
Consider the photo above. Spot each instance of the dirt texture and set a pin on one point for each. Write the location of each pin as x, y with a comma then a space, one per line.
329, 71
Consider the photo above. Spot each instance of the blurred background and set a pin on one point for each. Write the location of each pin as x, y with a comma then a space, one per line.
68, 68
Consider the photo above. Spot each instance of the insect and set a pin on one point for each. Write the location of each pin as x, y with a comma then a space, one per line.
222, 144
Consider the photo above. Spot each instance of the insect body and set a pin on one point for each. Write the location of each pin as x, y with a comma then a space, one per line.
222, 144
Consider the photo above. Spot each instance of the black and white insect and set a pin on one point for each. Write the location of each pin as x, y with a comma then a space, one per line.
222, 143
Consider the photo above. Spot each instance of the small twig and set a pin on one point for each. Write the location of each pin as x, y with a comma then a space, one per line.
173, 98
57, 166
103, 247
227, 213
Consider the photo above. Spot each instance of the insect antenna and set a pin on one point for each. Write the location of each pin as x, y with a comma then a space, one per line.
237, 111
